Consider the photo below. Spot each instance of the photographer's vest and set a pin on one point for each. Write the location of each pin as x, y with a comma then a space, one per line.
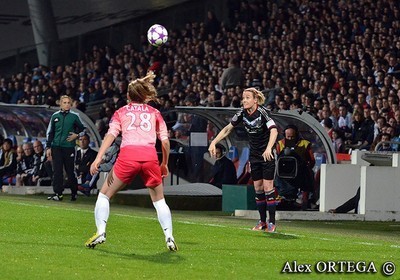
300, 148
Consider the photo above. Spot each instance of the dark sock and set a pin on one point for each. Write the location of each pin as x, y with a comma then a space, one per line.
271, 204
304, 204
261, 206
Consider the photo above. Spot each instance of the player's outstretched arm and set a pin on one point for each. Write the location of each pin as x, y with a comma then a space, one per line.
221, 135
165, 147
268, 153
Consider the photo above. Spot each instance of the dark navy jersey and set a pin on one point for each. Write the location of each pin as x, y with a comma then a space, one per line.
257, 125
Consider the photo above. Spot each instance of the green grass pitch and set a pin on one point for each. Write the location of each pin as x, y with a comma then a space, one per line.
42, 239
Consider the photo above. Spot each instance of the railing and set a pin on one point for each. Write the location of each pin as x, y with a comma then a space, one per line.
387, 142
93, 108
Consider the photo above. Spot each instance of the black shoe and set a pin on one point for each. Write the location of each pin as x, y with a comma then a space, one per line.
74, 197
55, 197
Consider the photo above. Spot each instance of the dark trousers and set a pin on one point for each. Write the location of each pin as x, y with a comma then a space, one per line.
63, 158
6, 171
351, 204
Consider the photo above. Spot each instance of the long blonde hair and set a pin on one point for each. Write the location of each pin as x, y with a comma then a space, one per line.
257, 95
142, 90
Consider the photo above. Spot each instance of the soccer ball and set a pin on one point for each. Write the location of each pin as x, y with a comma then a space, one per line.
157, 35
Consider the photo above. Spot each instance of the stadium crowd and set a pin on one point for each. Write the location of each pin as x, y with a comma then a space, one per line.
336, 60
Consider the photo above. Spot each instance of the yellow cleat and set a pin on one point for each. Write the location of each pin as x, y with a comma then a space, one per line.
96, 239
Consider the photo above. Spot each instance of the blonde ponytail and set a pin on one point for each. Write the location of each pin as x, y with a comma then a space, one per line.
257, 95
142, 90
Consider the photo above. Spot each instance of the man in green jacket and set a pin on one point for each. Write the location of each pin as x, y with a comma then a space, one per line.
64, 128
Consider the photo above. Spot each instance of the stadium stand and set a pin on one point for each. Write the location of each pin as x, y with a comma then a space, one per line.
342, 53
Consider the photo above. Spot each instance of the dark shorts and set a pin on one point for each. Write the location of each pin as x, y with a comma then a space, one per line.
262, 170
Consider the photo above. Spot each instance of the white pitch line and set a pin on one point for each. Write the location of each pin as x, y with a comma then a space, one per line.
26, 204
202, 224
324, 239
367, 243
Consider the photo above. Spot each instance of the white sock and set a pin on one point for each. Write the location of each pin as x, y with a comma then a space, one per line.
101, 212
164, 217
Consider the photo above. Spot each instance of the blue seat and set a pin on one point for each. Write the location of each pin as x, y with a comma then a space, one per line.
44, 141
13, 139
233, 153
320, 158
244, 157
8, 180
